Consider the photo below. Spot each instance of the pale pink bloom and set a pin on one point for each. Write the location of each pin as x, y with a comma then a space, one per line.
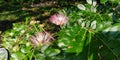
41, 38
58, 19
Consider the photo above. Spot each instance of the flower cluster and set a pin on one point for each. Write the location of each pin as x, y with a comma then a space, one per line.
41, 38
58, 19
45, 37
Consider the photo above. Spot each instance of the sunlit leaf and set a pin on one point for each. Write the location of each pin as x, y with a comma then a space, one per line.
94, 3
89, 1
52, 52
81, 7
93, 24
93, 9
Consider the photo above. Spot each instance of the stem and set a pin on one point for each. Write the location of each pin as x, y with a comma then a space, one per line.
35, 28
32, 53
89, 45
45, 31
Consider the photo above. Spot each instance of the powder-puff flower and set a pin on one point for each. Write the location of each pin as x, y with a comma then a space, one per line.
58, 19
41, 38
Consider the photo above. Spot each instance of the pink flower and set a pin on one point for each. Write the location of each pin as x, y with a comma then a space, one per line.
41, 38
58, 19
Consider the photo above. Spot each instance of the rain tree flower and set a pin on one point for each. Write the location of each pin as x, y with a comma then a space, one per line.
41, 38
58, 19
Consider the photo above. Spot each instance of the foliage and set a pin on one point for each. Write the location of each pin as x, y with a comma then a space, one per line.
91, 33
89, 28
17, 42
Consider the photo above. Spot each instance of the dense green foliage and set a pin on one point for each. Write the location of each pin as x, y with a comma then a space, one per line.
92, 33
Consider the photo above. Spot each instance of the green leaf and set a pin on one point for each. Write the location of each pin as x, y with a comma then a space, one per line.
103, 1
52, 52
94, 3
110, 39
81, 7
89, 1
27, 20
93, 24
71, 38
17, 56
44, 47
40, 56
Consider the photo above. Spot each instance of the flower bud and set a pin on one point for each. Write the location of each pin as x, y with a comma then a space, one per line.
41, 38
58, 19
